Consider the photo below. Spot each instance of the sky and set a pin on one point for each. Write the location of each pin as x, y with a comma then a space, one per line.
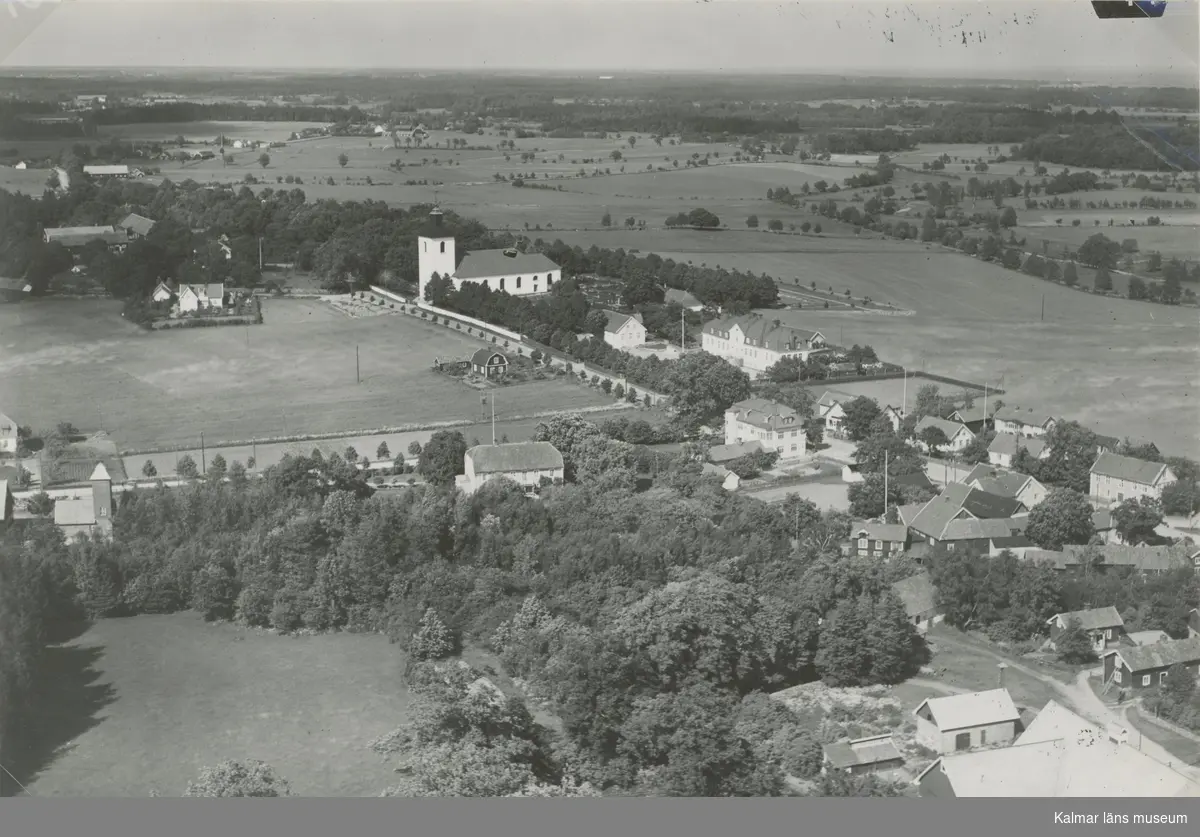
1055, 39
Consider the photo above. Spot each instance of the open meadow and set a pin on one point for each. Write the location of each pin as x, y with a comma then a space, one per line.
141, 705
204, 131
78, 361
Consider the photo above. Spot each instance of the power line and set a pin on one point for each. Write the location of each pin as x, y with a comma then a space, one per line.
15, 779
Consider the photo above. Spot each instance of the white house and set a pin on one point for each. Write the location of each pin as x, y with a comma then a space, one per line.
162, 293
895, 415
624, 331
8, 435
958, 436
1003, 448
525, 463
21, 165
1116, 478
201, 297
1004, 483
510, 270
754, 343
962, 722
775, 426
1022, 422
830, 410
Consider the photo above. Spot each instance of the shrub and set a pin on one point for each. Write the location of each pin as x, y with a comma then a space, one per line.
214, 592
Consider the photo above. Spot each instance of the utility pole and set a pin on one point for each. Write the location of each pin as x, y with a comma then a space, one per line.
203, 458
1043, 308
260, 256
493, 400
357, 367
885, 485
682, 330
904, 409
254, 454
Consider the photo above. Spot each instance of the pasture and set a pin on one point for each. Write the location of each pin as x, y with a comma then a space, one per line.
203, 131
141, 705
78, 361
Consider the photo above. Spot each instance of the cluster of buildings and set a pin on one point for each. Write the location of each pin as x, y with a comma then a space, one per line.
116, 236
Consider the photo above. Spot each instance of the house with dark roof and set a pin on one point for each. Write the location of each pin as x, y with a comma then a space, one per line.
920, 600
674, 296
1003, 448
525, 463
869, 539
755, 343
489, 363
1059, 755
1098, 558
1115, 478
509, 270
776, 426
721, 454
75, 237
201, 297
962, 722
862, 755
1146, 666
624, 331
1005, 483
1018, 422
1103, 625
136, 226
958, 436
962, 517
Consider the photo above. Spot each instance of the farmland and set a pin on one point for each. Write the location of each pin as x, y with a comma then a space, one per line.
295, 374
136, 706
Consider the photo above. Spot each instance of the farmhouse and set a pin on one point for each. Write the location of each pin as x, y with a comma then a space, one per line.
962, 722
878, 540
511, 271
1022, 422
957, 435
624, 331
525, 463
965, 517
1004, 483
1103, 625
864, 755
8, 435
1146, 666
162, 293
1059, 755
1004, 447
754, 343
136, 226
489, 363
777, 427
87, 509
674, 296
920, 600
72, 237
1115, 478
111, 171
201, 297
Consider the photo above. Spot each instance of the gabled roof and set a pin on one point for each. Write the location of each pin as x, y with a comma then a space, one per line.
972, 529
950, 428
864, 751
212, 290
974, 413
769, 415
482, 356
1129, 469
984, 504
727, 453
1160, 654
937, 516
8, 427
1142, 558
1025, 417
1018, 541
976, 709
78, 510
1009, 443
682, 298
895, 532
100, 473
78, 236
515, 457
1093, 619
908, 513
136, 223
481, 264
918, 594
914, 479
617, 321
997, 481
763, 332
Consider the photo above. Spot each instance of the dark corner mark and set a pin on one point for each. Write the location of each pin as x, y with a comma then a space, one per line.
1125, 9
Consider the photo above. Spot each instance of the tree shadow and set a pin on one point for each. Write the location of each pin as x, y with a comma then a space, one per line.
66, 702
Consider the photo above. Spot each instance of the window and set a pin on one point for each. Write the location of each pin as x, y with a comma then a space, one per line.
501, 283
1145, 679
862, 543
879, 544
1162, 677
1117, 675
793, 447
1108, 634
982, 737
518, 281
962, 741
104, 513
549, 281
425, 244
794, 432
535, 279
443, 247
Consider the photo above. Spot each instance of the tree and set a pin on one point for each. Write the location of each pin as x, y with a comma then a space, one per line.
1074, 645
1103, 279
1099, 251
414, 448
343, 160
866, 497
752, 222
186, 467
350, 454
1180, 685
861, 414
1136, 519
816, 229
606, 221
775, 225
1064, 517
433, 640
441, 460
616, 155
897, 650
1070, 275
148, 469
236, 778
933, 438
843, 655
1008, 217
217, 468
382, 452
703, 386
264, 159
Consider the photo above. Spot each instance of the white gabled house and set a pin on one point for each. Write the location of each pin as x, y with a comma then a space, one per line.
201, 297
958, 436
624, 331
754, 344
1116, 478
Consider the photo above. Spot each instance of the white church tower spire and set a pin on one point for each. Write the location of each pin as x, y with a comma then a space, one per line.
435, 251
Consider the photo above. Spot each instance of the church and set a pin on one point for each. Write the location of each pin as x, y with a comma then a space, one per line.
511, 271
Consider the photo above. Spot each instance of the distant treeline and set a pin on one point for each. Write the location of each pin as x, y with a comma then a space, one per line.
1117, 148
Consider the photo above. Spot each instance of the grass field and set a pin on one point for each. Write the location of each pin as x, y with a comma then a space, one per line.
79, 361
141, 705
205, 131
969, 669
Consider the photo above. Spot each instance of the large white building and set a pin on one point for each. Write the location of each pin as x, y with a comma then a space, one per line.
1116, 478
754, 343
511, 271
524, 463
775, 426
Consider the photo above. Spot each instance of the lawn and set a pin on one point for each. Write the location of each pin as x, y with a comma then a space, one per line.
78, 361
963, 665
1185, 749
143, 704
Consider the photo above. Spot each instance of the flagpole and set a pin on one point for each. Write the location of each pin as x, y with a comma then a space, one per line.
493, 400
885, 485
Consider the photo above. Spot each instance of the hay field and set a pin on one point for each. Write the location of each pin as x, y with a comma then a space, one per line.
79, 361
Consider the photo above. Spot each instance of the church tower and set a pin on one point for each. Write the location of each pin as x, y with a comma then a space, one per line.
102, 504
435, 252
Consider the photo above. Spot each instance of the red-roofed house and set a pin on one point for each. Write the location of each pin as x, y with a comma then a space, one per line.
775, 426
1116, 478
